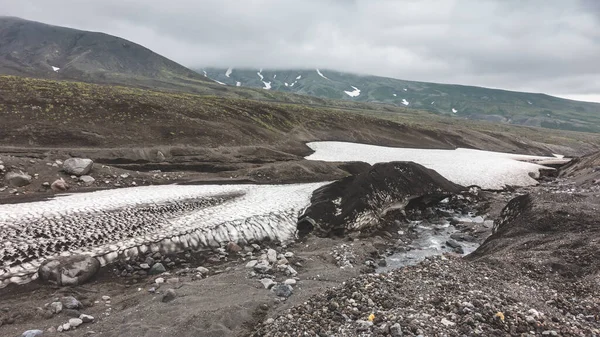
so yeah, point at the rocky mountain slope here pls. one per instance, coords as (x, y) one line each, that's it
(457, 100)
(29, 48)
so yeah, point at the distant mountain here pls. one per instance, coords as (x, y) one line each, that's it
(29, 48)
(464, 101)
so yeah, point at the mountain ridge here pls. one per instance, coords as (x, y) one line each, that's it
(473, 102)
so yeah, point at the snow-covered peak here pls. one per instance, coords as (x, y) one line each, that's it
(353, 93)
(320, 74)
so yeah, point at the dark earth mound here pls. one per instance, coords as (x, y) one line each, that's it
(361, 201)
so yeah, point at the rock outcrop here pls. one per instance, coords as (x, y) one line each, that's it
(360, 202)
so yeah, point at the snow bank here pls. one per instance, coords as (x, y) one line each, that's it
(212, 215)
(354, 92)
(490, 170)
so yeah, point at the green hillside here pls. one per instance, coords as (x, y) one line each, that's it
(477, 103)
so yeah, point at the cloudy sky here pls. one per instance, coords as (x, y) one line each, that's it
(550, 46)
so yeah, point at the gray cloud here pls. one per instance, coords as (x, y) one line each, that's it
(547, 46)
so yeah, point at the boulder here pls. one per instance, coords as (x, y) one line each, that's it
(32, 333)
(78, 166)
(87, 180)
(71, 303)
(17, 179)
(366, 201)
(59, 185)
(69, 270)
(156, 269)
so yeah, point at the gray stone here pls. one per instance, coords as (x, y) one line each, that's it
(56, 307)
(363, 325)
(271, 255)
(69, 270)
(267, 283)
(86, 318)
(78, 166)
(290, 281)
(160, 156)
(396, 330)
(46, 184)
(87, 180)
(145, 266)
(251, 263)
(262, 267)
(157, 268)
(32, 333)
(282, 290)
(17, 179)
(169, 296)
(453, 243)
(202, 270)
(75, 322)
(71, 302)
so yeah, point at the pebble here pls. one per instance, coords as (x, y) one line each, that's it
(202, 270)
(290, 282)
(86, 318)
(267, 283)
(75, 322)
(105, 298)
(32, 333)
(282, 290)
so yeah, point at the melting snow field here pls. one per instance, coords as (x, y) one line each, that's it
(354, 92)
(489, 170)
(123, 223)
(320, 74)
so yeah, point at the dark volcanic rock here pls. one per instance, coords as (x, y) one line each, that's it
(69, 270)
(552, 231)
(360, 202)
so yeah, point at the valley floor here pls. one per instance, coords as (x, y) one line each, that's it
(509, 288)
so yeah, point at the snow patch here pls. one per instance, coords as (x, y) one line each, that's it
(319, 72)
(529, 103)
(298, 77)
(260, 75)
(221, 83)
(454, 110)
(205, 75)
(286, 83)
(405, 89)
(267, 85)
(56, 69)
(404, 101)
(228, 72)
(275, 76)
(352, 93)
(490, 170)
(394, 95)
(432, 102)
(238, 84)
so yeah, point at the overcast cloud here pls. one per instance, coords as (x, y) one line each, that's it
(550, 46)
